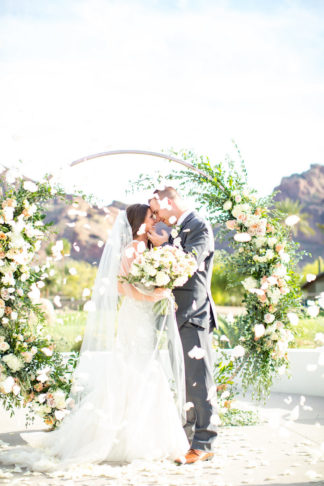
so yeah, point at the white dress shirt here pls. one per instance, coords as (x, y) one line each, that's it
(183, 216)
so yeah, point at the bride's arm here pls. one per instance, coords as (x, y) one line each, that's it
(130, 291)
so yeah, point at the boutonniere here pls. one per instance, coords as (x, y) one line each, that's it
(175, 231)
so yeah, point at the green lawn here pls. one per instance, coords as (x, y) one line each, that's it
(70, 324)
(67, 327)
(306, 331)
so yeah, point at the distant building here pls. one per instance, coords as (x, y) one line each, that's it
(314, 288)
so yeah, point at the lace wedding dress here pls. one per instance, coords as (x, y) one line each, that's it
(125, 406)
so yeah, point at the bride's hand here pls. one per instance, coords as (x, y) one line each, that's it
(161, 293)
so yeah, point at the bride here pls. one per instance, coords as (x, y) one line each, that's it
(124, 406)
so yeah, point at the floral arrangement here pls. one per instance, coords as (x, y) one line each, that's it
(32, 373)
(263, 252)
(165, 266)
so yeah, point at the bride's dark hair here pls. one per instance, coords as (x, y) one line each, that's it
(136, 214)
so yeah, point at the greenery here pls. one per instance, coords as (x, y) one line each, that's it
(30, 367)
(263, 253)
(305, 332)
(67, 329)
(224, 372)
(225, 290)
(313, 268)
(64, 277)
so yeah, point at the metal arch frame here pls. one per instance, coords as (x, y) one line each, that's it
(141, 152)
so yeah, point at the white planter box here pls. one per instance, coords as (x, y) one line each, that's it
(306, 370)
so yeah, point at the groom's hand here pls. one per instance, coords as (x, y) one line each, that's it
(156, 238)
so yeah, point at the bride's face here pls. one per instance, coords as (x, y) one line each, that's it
(149, 220)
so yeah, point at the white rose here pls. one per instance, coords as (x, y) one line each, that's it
(14, 363)
(272, 241)
(241, 208)
(4, 346)
(180, 281)
(59, 398)
(174, 233)
(150, 270)
(284, 257)
(7, 385)
(227, 205)
(162, 279)
(269, 255)
(249, 283)
(48, 352)
(259, 330)
(134, 270)
(260, 241)
(269, 318)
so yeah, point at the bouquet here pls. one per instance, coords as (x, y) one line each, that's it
(164, 267)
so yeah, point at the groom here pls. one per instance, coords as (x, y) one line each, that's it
(196, 316)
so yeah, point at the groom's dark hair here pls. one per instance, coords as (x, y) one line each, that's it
(136, 214)
(169, 192)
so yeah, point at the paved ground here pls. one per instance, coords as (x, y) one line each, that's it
(287, 447)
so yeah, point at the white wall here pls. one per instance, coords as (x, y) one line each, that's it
(307, 373)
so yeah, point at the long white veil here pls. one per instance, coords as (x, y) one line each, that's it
(93, 426)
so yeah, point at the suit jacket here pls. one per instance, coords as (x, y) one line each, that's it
(194, 299)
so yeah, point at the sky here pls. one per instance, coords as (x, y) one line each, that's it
(84, 76)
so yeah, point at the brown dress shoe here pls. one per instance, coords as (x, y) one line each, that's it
(194, 455)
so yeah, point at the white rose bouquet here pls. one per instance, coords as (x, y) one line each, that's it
(164, 267)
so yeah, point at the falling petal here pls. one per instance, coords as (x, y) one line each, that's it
(86, 292)
(172, 220)
(215, 420)
(72, 271)
(57, 301)
(141, 247)
(196, 352)
(129, 252)
(294, 414)
(100, 243)
(187, 406)
(313, 311)
(76, 247)
(288, 400)
(242, 237)
(292, 220)
(302, 400)
(89, 306)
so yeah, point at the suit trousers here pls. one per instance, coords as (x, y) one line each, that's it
(199, 386)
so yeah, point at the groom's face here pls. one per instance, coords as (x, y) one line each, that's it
(162, 209)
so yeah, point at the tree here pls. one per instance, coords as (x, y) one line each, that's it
(289, 207)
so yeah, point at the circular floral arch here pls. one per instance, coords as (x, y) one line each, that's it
(262, 252)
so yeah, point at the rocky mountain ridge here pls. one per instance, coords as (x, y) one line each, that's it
(87, 227)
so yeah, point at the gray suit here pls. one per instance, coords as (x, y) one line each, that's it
(196, 317)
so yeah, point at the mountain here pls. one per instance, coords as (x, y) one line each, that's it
(87, 227)
(308, 189)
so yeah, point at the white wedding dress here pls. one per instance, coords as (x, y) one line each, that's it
(125, 407)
